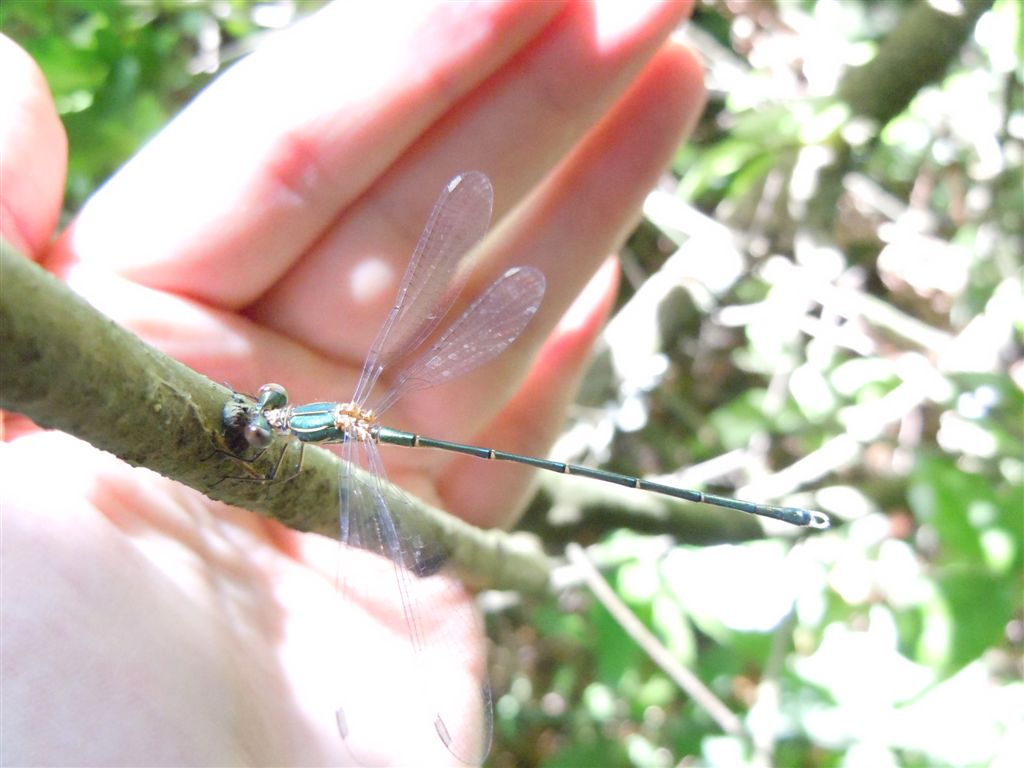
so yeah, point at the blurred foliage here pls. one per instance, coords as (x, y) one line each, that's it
(836, 322)
(120, 70)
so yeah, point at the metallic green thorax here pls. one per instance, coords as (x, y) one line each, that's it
(322, 422)
(316, 423)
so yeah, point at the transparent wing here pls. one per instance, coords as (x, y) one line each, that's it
(485, 330)
(433, 279)
(421, 695)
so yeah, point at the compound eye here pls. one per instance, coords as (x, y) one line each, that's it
(271, 396)
(258, 435)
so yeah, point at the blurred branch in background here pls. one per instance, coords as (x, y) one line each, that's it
(915, 54)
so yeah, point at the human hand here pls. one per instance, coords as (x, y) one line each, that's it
(260, 237)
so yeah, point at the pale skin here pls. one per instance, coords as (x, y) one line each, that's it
(260, 238)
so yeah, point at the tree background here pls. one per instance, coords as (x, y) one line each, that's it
(822, 306)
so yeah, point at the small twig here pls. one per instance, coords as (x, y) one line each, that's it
(603, 557)
(768, 692)
(660, 655)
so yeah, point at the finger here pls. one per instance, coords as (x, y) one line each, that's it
(515, 126)
(33, 153)
(609, 177)
(247, 177)
(33, 162)
(222, 345)
(332, 311)
(582, 213)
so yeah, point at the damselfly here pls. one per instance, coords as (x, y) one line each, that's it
(491, 323)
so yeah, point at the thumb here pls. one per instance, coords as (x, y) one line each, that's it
(33, 154)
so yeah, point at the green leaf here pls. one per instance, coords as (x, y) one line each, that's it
(980, 605)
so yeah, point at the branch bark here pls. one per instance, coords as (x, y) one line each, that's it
(68, 367)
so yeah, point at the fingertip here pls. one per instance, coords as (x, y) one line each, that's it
(683, 66)
(614, 19)
(33, 153)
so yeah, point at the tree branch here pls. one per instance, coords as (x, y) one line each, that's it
(68, 367)
(913, 55)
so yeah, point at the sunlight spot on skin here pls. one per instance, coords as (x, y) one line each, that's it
(613, 17)
(372, 277)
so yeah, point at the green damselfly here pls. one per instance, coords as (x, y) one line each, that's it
(490, 324)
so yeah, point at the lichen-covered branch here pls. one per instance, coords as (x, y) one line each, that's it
(68, 367)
